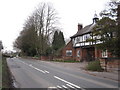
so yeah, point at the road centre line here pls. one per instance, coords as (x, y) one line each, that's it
(46, 71)
(30, 65)
(66, 82)
(37, 69)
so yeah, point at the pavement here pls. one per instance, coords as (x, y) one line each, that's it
(108, 75)
(113, 75)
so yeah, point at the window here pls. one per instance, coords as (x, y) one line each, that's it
(104, 53)
(78, 53)
(78, 39)
(68, 52)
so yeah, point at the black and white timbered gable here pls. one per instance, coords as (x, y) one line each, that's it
(80, 38)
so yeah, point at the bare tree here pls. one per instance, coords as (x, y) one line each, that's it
(1, 46)
(45, 23)
(42, 23)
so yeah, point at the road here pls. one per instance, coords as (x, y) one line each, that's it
(43, 74)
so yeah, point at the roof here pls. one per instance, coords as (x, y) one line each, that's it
(86, 29)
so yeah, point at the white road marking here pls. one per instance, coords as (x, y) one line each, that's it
(37, 69)
(51, 87)
(34, 67)
(30, 64)
(59, 86)
(64, 86)
(23, 62)
(46, 71)
(69, 85)
(66, 82)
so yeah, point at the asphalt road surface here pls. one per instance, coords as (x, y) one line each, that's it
(43, 74)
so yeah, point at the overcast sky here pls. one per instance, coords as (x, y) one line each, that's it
(13, 14)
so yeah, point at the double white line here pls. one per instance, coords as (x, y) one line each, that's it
(68, 83)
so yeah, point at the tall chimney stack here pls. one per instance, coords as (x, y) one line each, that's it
(79, 26)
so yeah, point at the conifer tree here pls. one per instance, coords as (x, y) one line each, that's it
(61, 40)
(58, 42)
(55, 43)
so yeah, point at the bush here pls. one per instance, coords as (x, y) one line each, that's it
(94, 66)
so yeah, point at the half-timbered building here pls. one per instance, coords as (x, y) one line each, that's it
(79, 48)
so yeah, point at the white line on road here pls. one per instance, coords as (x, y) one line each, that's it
(37, 69)
(23, 62)
(69, 85)
(59, 86)
(52, 88)
(46, 71)
(34, 67)
(66, 81)
(30, 64)
(64, 86)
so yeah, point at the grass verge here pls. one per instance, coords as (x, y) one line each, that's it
(0, 70)
(6, 75)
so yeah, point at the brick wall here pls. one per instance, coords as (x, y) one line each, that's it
(110, 64)
(68, 47)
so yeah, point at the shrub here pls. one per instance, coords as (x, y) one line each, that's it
(94, 66)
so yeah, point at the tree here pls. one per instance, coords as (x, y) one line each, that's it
(35, 38)
(1, 46)
(45, 21)
(58, 42)
(55, 43)
(118, 30)
(105, 32)
(110, 10)
(27, 41)
(61, 40)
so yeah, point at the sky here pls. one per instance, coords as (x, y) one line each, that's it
(13, 14)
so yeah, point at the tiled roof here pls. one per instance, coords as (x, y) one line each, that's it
(86, 29)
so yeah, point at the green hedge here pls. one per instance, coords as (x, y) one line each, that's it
(67, 61)
(94, 66)
(6, 75)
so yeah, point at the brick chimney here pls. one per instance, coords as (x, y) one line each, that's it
(79, 26)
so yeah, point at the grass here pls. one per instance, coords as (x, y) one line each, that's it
(0, 70)
(94, 66)
(6, 75)
(66, 61)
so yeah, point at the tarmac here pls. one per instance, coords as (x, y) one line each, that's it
(113, 75)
